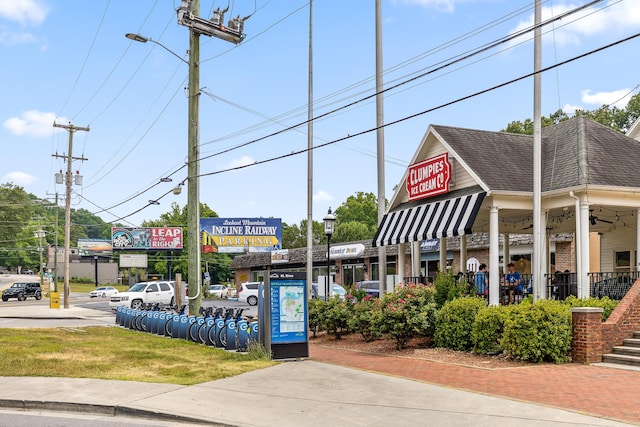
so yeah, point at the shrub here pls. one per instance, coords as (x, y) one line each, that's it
(366, 318)
(408, 312)
(454, 323)
(316, 311)
(487, 329)
(335, 316)
(447, 288)
(538, 332)
(605, 302)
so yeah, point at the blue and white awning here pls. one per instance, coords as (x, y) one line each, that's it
(451, 217)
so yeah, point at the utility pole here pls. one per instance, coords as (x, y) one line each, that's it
(55, 246)
(382, 250)
(67, 203)
(40, 235)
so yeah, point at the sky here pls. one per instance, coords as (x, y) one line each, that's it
(69, 62)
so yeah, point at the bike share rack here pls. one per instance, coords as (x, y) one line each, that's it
(228, 331)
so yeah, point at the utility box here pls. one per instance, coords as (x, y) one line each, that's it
(54, 299)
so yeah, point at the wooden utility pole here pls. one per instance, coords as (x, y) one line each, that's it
(67, 219)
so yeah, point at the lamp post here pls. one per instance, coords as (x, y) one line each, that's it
(329, 223)
(95, 259)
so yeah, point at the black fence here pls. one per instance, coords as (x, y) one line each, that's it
(614, 285)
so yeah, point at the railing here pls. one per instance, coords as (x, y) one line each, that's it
(613, 285)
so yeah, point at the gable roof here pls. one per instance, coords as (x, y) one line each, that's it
(575, 153)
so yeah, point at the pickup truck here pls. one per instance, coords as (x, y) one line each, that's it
(144, 293)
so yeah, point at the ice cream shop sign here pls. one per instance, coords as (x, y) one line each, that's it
(429, 177)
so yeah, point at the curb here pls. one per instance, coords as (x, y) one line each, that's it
(105, 410)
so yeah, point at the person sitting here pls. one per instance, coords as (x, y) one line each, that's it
(481, 281)
(512, 282)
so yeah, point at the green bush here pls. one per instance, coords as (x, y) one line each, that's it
(447, 289)
(454, 323)
(316, 311)
(366, 318)
(335, 316)
(606, 303)
(408, 312)
(487, 329)
(538, 332)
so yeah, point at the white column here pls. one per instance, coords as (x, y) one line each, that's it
(583, 241)
(402, 258)
(443, 254)
(463, 254)
(506, 252)
(494, 254)
(638, 240)
(415, 258)
(541, 284)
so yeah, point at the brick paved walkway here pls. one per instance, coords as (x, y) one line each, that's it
(594, 390)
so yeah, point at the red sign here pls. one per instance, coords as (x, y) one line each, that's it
(429, 177)
(166, 238)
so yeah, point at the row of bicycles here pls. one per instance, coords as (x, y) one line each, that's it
(220, 327)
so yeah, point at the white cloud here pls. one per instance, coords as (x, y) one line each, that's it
(616, 16)
(322, 196)
(571, 109)
(444, 5)
(19, 178)
(26, 12)
(33, 123)
(11, 39)
(618, 98)
(242, 161)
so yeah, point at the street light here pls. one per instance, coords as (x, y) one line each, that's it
(329, 222)
(193, 166)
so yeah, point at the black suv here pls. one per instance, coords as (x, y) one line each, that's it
(22, 290)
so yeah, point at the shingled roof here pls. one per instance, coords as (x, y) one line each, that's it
(575, 153)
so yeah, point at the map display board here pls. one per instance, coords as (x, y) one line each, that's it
(288, 308)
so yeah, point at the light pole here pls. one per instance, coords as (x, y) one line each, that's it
(188, 16)
(329, 222)
(95, 259)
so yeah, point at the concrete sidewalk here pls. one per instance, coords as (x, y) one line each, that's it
(303, 393)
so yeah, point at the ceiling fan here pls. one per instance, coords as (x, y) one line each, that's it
(594, 219)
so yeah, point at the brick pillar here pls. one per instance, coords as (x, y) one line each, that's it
(586, 344)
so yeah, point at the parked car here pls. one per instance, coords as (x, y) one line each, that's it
(217, 291)
(143, 293)
(22, 290)
(335, 290)
(371, 287)
(103, 292)
(248, 292)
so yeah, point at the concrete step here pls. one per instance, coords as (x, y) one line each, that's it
(636, 334)
(632, 342)
(629, 351)
(622, 359)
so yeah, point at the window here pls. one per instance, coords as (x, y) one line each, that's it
(164, 287)
(152, 288)
(622, 260)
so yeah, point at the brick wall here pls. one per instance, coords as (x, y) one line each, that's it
(592, 338)
(565, 256)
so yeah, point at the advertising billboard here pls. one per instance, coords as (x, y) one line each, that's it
(241, 234)
(150, 238)
(93, 247)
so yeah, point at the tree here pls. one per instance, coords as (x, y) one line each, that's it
(294, 236)
(359, 209)
(613, 117)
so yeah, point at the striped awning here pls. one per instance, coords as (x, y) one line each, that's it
(451, 217)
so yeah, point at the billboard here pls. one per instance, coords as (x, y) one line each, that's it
(92, 247)
(150, 238)
(429, 177)
(241, 234)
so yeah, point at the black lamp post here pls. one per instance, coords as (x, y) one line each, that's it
(95, 259)
(329, 222)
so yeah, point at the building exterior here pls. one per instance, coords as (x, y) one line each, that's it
(466, 186)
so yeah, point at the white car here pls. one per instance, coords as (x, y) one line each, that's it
(217, 291)
(248, 292)
(143, 293)
(103, 292)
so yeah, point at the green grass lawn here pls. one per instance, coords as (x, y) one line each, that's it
(118, 354)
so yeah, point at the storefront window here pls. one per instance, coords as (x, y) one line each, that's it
(374, 272)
